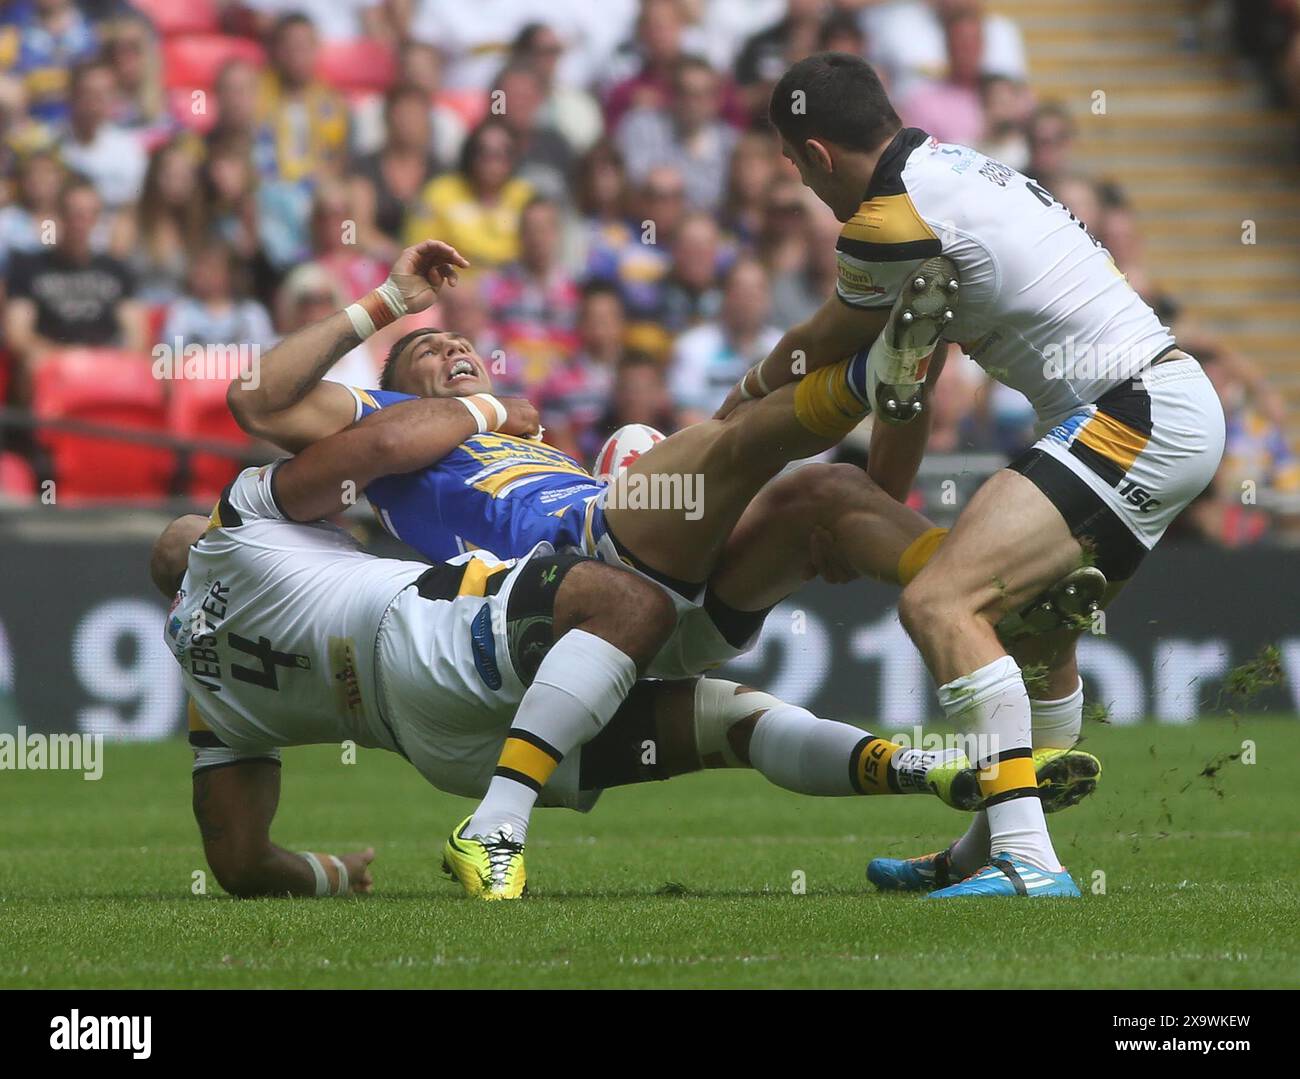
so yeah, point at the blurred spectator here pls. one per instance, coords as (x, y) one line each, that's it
(335, 242)
(906, 41)
(752, 170)
(602, 202)
(640, 267)
(386, 182)
(783, 243)
(302, 130)
(1051, 144)
(310, 294)
(692, 292)
(40, 43)
(658, 47)
(131, 50)
(335, 20)
(951, 108)
(420, 65)
(230, 195)
(235, 95)
(107, 155)
(476, 208)
(797, 293)
(533, 302)
(1008, 105)
(69, 294)
(542, 155)
(766, 54)
(574, 399)
(211, 311)
(840, 31)
(568, 109)
(690, 135)
(28, 221)
(709, 359)
(640, 396)
(165, 225)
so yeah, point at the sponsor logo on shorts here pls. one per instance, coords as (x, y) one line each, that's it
(485, 648)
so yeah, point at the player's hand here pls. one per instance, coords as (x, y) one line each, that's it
(827, 561)
(734, 399)
(522, 419)
(360, 882)
(422, 270)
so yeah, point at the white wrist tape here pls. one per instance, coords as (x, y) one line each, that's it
(376, 309)
(481, 406)
(322, 877)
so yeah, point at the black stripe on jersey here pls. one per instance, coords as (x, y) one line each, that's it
(1117, 551)
(910, 251)
(275, 497)
(1130, 403)
(888, 177)
(226, 515)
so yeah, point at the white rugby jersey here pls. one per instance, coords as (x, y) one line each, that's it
(275, 625)
(1042, 307)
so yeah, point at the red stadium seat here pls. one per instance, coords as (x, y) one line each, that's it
(17, 480)
(198, 410)
(356, 67)
(108, 387)
(192, 61)
(181, 16)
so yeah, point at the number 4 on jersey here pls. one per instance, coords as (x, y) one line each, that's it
(262, 650)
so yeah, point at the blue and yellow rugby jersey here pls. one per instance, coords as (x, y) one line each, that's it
(496, 492)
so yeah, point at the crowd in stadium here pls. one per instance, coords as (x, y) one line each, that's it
(225, 172)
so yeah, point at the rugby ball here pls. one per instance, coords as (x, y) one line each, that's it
(622, 448)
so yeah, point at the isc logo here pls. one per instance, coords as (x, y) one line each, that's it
(1135, 496)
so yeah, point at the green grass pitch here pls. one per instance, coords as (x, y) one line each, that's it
(686, 883)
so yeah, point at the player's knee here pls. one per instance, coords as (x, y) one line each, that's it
(814, 492)
(924, 609)
(629, 611)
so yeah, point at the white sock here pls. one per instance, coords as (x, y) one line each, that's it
(794, 749)
(578, 688)
(801, 752)
(994, 703)
(1056, 725)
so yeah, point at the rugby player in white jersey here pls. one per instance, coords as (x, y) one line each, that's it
(501, 680)
(1130, 428)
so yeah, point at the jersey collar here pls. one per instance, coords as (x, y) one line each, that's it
(887, 179)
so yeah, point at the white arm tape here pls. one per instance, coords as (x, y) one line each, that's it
(322, 878)
(477, 413)
(362, 323)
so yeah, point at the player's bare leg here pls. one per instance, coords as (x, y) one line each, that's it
(862, 529)
(729, 461)
(1008, 545)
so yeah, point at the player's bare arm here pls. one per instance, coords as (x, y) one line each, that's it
(234, 806)
(327, 476)
(290, 404)
(833, 332)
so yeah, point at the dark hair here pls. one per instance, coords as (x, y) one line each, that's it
(389, 371)
(598, 287)
(470, 146)
(836, 97)
(286, 22)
